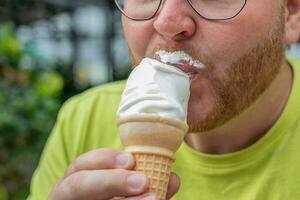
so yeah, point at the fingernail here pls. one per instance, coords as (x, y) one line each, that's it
(122, 159)
(136, 181)
(150, 197)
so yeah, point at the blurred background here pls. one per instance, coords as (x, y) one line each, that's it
(51, 50)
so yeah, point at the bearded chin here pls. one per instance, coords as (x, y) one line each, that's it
(244, 82)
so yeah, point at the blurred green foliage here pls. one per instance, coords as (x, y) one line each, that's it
(30, 97)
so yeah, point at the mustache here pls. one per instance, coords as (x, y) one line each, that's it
(178, 57)
(196, 55)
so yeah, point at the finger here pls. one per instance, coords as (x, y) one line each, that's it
(174, 184)
(148, 196)
(102, 184)
(101, 159)
(173, 187)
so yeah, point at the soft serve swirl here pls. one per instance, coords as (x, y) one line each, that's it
(155, 88)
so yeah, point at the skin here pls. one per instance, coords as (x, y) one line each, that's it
(104, 174)
(245, 69)
(223, 46)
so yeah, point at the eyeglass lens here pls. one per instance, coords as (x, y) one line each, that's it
(210, 9)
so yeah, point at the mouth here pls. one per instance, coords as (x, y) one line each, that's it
(182, 61)
(178, 57)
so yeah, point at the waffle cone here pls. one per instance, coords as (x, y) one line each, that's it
(157, 168)
(153, 142)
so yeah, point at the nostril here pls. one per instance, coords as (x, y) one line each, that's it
(181, 36)
(187, 33)
(178, 28)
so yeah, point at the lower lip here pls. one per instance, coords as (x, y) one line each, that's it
(192, 72)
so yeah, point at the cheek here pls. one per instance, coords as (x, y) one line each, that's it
(226, 41)
(138, 36)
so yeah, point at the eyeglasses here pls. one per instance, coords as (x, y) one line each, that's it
(141, 10)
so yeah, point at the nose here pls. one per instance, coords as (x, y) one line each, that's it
(175, 20)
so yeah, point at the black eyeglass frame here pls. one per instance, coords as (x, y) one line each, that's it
(189, 1)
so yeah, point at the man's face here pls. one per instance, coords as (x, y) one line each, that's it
(241, 55)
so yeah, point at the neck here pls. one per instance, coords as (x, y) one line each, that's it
(252, 124)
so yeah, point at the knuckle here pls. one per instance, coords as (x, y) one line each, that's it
(72, 184)
(106, 151)
(75, 166)
(115, 182)
(104, 158)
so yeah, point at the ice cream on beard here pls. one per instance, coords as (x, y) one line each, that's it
(152, 119)
(177, 57)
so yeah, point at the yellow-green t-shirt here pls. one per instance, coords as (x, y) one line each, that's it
(267, 170)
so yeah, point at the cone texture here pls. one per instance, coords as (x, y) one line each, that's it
(153, 142)
(157, 168)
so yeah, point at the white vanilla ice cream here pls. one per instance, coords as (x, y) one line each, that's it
(177, 57)
(155, 88)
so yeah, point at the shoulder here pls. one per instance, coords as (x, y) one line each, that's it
(88, 120)
(94, 97)
(113, 89)
(93, 110)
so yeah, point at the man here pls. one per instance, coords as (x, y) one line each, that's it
(244, 108)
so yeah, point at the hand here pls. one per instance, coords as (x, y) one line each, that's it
(105, 174)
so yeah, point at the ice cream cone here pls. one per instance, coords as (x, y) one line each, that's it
(153, 141)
